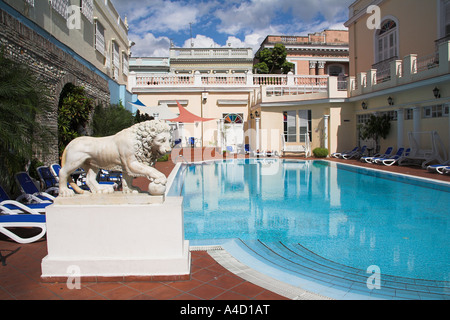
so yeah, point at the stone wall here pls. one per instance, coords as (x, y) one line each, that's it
(53, 66)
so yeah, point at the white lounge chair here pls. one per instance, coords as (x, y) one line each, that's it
(393, 160)
(11, 206)
(30, 191)
(435, 167)
(443, 170)
(339, 154)
(387, 154)
(355, 154)
(8, 221)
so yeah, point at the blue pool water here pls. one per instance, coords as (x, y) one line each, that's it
(353, 216)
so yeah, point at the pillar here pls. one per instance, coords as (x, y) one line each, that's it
(326, 120)
(312, 68)
(321, 66)
(400, 129)
(258, 138)
(416, 119)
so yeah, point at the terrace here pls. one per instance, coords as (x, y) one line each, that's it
(287, 87)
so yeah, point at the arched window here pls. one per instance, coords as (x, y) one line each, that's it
(233, 118)
(386, 41)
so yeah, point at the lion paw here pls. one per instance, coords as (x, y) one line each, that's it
(66, 193)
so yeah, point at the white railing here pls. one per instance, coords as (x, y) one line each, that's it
(272, 91)
(224, 79)
(269, 80)
(276, 84)
(320, 81)
(157, 80)
(211, 53)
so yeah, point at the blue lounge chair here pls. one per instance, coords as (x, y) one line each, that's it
(30, 191)
(48, 180)
(393, 160)
(436, 167)
(387, 154)
(10, 206)
(339, 154)
(8, 221)
(354, 154)
(379, 160)
(443, 170)
(113, 178)
(54, 169)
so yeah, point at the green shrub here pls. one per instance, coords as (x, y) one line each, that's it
(320, 152)
(163, 158)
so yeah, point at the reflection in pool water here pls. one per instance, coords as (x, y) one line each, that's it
(350, 215)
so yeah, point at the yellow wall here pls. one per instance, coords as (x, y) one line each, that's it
(341, 126)
(210, 109)
(417, 30)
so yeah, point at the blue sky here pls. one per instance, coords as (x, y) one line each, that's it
(217, 23)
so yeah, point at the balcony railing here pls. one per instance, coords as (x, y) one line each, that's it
(399, 72)
(224, 79)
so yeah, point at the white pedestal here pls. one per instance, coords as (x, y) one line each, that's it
(104, 239)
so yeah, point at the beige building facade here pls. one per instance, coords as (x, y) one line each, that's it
(321, 53)
(395, 66)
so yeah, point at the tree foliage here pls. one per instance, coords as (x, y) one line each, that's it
(23, 99)
(107, 121)
(142, 117)
(73, 115)
(273, 60)
(375, 128)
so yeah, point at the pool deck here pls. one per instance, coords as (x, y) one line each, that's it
(232, 271)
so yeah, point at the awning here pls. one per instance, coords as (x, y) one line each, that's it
(187, 117)
(138, 103)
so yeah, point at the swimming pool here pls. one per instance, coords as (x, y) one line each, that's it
(350, 215)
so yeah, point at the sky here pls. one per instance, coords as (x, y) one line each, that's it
(153, 24)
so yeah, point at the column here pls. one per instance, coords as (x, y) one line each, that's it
(219, 135)
(258, 138)
(321, 66)
(312, 68)
(400, 123)
(181, 132)
(326, 120)
(416, 119)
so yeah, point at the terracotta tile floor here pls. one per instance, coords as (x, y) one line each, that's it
(20, 280)
(20, 274)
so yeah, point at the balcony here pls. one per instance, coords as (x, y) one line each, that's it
(269, 87)
(411, 68)
(211, 53)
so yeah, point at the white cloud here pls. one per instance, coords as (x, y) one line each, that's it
(149, 46)
(245, 23)
(201, 41)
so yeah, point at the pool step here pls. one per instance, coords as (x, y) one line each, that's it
(296, 265)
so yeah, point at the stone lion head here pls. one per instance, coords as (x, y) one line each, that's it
(153, 140)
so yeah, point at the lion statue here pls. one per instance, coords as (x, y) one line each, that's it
(132, 151)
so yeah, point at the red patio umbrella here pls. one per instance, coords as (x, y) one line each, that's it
(188, 117)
